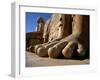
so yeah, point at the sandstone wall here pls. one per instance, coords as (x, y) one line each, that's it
(33, 38)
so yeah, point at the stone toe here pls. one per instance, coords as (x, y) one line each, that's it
(42, 52)
(52, 52)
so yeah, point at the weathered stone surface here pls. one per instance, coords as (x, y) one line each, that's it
(57, 28)
(79, 30)
(32, 39)
(62, 34)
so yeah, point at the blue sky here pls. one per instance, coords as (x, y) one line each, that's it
(31, 20)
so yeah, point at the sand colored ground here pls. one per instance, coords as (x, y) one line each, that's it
(32, 60)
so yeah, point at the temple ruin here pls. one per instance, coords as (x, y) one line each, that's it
(62, 35)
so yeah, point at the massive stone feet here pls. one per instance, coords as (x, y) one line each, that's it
(38, 46)
(56, 50)
(43, 50)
